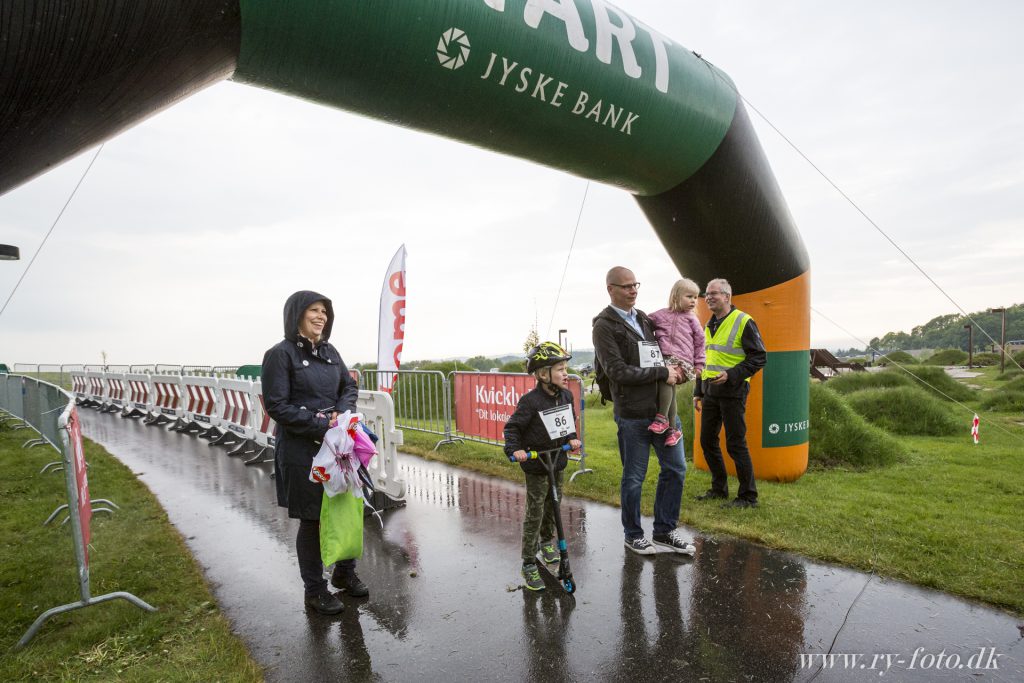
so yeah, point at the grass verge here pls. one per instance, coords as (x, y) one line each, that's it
(943, 515)
(135, 550)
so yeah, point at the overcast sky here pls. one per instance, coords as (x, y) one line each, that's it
(193, 227)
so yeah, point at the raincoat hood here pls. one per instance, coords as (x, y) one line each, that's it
(296, 305)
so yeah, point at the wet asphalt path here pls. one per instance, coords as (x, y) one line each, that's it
(446, 604)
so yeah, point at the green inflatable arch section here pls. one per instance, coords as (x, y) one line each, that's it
(577, 86)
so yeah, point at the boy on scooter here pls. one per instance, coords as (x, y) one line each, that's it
(545, 419)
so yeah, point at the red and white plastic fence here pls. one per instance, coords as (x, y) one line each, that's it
(114, 384)
(236, 407)
(266, 428)
(167, 396)
(200, 397)
(79, 385)
(138, 401)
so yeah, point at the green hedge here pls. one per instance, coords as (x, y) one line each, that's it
(986, 359)
(905, 410)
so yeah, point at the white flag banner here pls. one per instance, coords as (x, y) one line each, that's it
(392, 322)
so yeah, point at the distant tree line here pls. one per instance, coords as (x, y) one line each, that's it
(476, 363)
(947, 332)
(509, 363)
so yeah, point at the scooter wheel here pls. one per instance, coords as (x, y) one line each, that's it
(569, 585)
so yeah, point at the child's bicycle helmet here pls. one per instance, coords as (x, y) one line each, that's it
(544, 355)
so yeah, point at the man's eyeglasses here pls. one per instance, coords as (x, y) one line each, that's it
(628, 285)
(707, 294)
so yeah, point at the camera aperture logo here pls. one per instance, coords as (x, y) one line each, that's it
(453, 48)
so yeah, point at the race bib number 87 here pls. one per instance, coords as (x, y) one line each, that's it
(558, 421)
(650, 355)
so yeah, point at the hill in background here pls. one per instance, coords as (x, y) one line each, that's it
(947, 332)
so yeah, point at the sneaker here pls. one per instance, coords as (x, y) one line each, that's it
(325, 602)
(350, 583)
(532, 577)
(712, 495)
(674, 542)
(674, 437)
(660, 424)
(640, 546)
(740, 503)
(549, 554)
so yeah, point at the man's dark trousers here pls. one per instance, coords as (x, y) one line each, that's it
(731, 412)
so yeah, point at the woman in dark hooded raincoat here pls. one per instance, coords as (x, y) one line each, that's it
(306, 385)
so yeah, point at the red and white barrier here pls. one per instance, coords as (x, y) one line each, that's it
(79, 386)
(114, 388)
(139, 396)
(94, 394)
(167, 404)
(235, 418)
(200, 398)
(265, 427)
(379, 410)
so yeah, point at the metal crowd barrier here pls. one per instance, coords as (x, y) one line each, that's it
(51, 412)
(425, 402)
(422, 400)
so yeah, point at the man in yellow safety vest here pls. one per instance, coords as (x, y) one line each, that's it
(735, 353)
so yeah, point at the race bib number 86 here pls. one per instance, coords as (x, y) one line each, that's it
(558, 421)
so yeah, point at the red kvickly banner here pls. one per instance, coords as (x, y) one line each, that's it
(484, 401)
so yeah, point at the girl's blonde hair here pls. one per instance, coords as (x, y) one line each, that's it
(679, 290)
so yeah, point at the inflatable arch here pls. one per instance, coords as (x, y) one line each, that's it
(574, 84)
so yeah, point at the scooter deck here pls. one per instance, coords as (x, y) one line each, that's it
(549, 572)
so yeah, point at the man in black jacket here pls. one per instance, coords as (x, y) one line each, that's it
(628, 354)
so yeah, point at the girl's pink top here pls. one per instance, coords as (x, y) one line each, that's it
(679, 334)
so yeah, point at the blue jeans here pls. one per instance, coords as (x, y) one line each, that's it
(635, 442)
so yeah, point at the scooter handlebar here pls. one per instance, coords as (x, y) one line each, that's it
(533, 455)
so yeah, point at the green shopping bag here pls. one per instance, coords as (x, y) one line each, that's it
(341, 528)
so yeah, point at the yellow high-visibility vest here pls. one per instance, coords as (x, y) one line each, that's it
(725, 348)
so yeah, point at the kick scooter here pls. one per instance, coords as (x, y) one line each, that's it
(547, 458)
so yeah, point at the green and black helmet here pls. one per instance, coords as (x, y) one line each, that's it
(544, 355)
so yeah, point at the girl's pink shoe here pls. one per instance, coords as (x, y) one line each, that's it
(660, 424)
